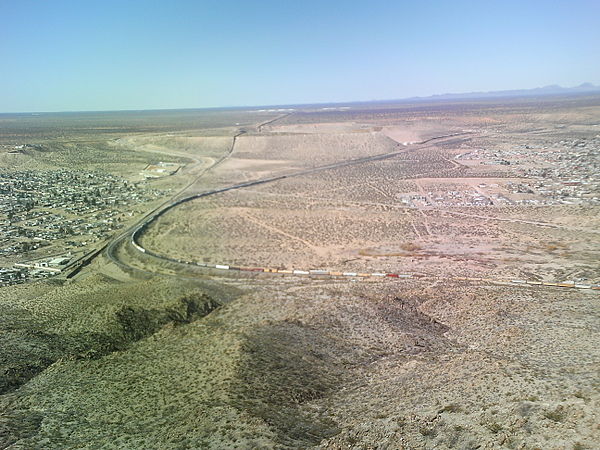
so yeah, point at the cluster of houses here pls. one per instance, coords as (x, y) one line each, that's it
(65, 210)
(552, 173)
(572, 175)
(467, 197)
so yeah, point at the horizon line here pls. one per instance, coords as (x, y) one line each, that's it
(453, 96)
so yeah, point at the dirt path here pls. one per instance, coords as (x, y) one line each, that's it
(527, 222)
(317, 250)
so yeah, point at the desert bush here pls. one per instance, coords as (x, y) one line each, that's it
(452, 408)
(556, 415)
(410, 246)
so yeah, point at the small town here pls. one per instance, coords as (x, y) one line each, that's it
(50, 218)
(566, 172)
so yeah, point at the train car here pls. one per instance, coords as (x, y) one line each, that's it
(405, 275)
(336, 274)
(222, 266)
(596, 287)
(269, 270)
(364, 275)
(300, 272)
(583, 286)
(569, 285)
(138, 247)
(378, 274)
(392, 275)
(252, 269)
(234, 268)
(284, 271)
(349, 274)
(534, 282)
(319, 272)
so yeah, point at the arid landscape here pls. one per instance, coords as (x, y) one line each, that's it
(393, 275)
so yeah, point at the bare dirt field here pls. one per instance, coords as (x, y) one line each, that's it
(143, 352)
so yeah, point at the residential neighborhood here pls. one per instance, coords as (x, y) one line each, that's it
(60, 212)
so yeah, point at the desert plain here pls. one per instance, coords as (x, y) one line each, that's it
(487, 205)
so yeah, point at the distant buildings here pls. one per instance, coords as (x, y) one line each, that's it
(66, 209)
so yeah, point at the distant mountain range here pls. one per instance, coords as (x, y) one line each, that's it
(546, 90)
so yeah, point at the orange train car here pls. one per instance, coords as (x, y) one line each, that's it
(251, 269)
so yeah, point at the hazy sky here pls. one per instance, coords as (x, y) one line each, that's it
(131, 54)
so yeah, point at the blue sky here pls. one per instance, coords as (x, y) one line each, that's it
(64, 55)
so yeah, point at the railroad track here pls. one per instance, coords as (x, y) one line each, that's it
(110, 248)
(130, 233)
(134, 233)
(323, 273)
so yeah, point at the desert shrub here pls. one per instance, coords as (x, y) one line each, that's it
(556, 415)
(287, 365)
(451, 408)
(427, 431)
(410, 247)
(494, 427)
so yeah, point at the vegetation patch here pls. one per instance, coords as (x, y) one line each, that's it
(27, 349)
(286, 366)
